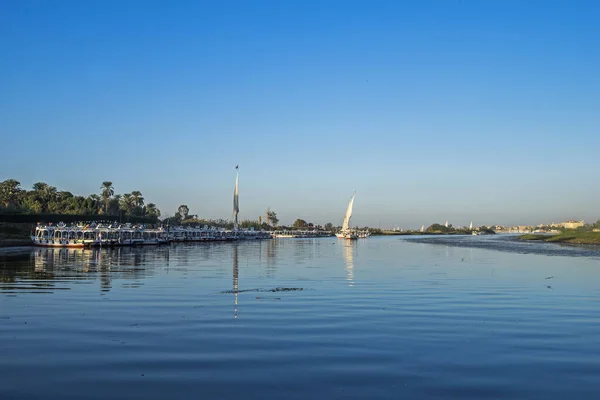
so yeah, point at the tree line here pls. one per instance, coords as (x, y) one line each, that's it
(46, 199)
(439, 228)
(183, 217)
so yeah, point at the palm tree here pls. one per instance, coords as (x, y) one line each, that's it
(39, 186)
(44, 193)
(9, 192)
(95, 200)
(138, 200)
(107, 192)
(152, 211)
(127, 203)
(49, 192)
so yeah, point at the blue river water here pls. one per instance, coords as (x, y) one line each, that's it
(379, 318)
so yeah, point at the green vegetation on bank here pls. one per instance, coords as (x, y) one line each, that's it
(48, 204)
(434, 229)
(570, 236)
(534, 236)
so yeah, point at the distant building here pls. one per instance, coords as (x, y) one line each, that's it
(571, 224)
(518, 229)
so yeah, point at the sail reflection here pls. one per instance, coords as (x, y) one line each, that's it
(348, 252)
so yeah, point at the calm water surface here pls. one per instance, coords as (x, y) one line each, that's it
(470, 317)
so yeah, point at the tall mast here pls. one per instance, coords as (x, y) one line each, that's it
(236, 204)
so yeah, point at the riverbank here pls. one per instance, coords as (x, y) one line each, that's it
(15, 234)
(14, 242)
(570, 237)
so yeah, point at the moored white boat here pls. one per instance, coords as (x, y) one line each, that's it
(59, 236)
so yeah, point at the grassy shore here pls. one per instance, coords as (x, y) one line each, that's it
(569, 236)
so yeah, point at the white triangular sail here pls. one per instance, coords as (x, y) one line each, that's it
(348, 215)
(422, 228)
(236, 204)
(471, 225)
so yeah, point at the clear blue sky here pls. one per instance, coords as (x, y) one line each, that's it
(430, 110)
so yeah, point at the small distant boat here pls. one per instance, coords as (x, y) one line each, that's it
(346, 233)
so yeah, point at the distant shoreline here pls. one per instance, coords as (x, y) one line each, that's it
(567, 237)
(421, 233)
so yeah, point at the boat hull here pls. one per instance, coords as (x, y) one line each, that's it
(347, 236)
(53, 243)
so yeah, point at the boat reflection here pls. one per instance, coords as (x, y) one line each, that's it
(46, 267)
(348, 252)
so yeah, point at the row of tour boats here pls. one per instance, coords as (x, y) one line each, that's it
(95, 235)
(110, 235)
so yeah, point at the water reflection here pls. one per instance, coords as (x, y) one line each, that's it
(235, 280)
(348, 252)
(47, 267)
(270, 257)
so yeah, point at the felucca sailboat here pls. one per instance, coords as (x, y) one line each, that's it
(346, 233)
